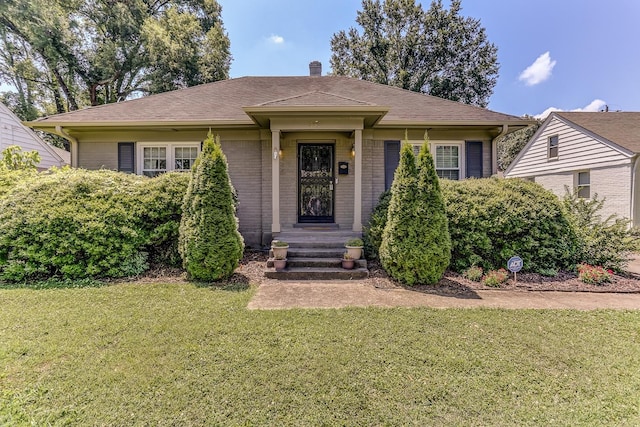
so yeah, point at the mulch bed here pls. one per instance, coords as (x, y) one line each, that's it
(253, 265)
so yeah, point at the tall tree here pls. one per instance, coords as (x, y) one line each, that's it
(73, 53)
(510, 145)
(438, 51)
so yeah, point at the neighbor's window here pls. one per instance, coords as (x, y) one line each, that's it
(584, 185)
(447, 160)
(553, 147)
(184, 157)
(154, 161)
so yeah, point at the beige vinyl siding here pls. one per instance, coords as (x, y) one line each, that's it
(576, 150)
(12, 132)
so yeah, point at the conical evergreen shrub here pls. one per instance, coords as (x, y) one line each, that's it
(210, 244)
(416, 246)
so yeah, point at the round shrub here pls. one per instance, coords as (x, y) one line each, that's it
(491, 220)
(76, 223)
(10, 178)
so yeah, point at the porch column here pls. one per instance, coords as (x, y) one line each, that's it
(275, 181)
(357, 192)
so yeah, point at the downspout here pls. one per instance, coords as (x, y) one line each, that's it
(634, 170)
(73, 142)
(494, 149)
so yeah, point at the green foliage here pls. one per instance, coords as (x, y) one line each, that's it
(73, 224)
(491, 220)
(437, 51)
(416, 247)
(210, 244)
(372, 235)
(90, 53)
(357, 242)
(607, 242)
(473, 273)
(495, 278)
(510, 145)
(12, 158)
(10, 178)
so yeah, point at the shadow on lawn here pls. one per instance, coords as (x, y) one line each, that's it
(446, 288)
(236, 283)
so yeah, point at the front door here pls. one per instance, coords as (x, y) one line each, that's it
(315, 183)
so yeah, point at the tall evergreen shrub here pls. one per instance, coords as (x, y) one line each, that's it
(416, 245)
(210, 244)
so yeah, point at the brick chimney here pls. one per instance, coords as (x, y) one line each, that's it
(315, 68)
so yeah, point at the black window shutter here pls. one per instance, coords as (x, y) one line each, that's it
(391, 161)
(126, 157)
(474, 159)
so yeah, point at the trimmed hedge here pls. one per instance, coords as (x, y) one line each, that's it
(492, 219)
(76, 223)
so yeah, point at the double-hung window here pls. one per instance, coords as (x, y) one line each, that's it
(552, 147)
(158, 158)
(447, 161)
(584, 184)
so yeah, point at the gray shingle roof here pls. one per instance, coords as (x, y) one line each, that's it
(621, 128)
(223, 101)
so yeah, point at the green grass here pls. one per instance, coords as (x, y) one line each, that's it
(175, 354)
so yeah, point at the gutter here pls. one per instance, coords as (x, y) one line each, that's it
(73, 142)
(494, 149)
(634, 170)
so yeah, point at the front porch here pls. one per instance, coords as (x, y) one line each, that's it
(315, 253)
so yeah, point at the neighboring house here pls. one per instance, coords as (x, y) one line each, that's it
(301, 150)
(12, 132)
(596, 153)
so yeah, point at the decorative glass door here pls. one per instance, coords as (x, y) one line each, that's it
(315, 183)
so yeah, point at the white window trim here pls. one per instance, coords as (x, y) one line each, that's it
(576, 183)
(461, 153)
(170, 152)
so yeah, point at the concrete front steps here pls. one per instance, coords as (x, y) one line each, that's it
(316, 254)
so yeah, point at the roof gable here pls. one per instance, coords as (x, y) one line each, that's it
(621, 129)
(315, 98)
(13, 132)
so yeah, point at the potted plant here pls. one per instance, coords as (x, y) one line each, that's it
(347, 261)
(354, 248)
(279, 262)
(279, 249)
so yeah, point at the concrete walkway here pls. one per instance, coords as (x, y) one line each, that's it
(338, 294)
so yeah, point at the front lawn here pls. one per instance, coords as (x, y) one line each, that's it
(177, 354)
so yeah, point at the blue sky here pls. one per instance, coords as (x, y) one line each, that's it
(563, 54)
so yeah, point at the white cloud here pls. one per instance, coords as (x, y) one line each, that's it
(539, 71)
(595, 105)
(275, 39)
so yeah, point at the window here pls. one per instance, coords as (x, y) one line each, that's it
(154, 161)
(553, 147)
(158, 158)
(447, 160)
(584, 185)
(184, 157)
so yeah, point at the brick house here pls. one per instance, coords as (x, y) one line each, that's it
(301, 150)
